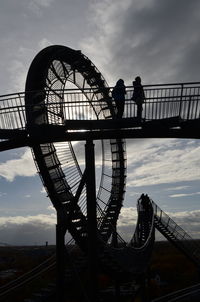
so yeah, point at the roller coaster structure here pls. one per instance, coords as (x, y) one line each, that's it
(51, 115)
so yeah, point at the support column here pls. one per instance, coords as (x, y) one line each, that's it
(91, 219)
(60, 257)
(115, 245)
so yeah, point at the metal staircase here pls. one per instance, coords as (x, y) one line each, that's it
(176, 235)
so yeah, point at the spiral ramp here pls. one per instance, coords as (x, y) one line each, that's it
(50, 72)
(58, 166)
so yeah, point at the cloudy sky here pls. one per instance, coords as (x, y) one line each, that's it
(156, 39)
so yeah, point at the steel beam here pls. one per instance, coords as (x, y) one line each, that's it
(57, 133)
(60, 256)
(91, 219)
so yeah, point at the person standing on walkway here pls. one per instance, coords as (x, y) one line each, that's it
(118, 95)
(138, 96)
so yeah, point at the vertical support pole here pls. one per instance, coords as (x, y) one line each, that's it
(60, 257)
(189, 105)
(115, 245)
(181, 101)
(143, 289)
(91, 219)
(114, 236)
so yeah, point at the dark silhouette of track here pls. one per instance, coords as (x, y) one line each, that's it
(128, 262)
(49, 71)
(176, 235)
(52, 118)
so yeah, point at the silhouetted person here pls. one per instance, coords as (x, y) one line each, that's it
(141, 200)
(118, 95)
(145, 201)
(138, 96)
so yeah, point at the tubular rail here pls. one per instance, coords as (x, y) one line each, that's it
(131, 261)
(52, 70)
(176, 235)
(28, 277)
(120, 261)
(180, 295)
(46, 266)
(161, 102)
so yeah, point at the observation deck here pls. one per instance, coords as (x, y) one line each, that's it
(169, 110)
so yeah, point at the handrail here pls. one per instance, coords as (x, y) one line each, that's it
(179, 294)
(180, 101)
(156, 208)
(31, 275)
(90, 88)
(137, 229)
(28, 277)
(176, 235)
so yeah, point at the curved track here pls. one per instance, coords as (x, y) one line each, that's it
(123, 263)
(52, 70)
(131, 261)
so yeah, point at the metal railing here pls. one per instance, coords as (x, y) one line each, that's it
(28, 277)
(181, 295)
(161, 102)
(178, 236)
(166, 101)
(144, 231)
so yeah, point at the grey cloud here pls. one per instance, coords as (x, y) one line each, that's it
(176, 188)
(187, 217)
(166, 161)
(184, 194)
(189, 221)
(164, 31)
(188, 64)
(25, 24)
(23, 166)
(158, 40)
